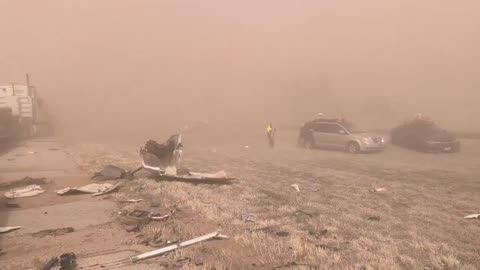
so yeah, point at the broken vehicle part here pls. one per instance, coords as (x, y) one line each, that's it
(473, 216)
(249, 217)
(26, 181)
(94, 189)
(91, 188)
(163, 155)
(110, 172)
(295, 186)
(9, 229)
(68, 261)
(53, 232)
(161, 251)
(49, 264)
(110, 189)
(22, 192)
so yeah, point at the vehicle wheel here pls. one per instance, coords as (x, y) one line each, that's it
(353, 148)
(309, 144)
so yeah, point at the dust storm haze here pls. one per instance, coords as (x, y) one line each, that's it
(108, 67)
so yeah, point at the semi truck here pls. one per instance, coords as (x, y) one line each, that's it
(23, 113)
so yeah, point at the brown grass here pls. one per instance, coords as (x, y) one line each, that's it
(417, 223)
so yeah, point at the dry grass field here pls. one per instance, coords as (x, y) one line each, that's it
(336, 221)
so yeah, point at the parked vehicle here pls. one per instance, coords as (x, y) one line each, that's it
(338, 134)
(23, 113)
(424, 135)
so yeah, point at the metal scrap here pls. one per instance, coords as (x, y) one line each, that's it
(53, 232)
(295, 186)
(109, 172)
(9, 229)
(164, 250)
(27, 191)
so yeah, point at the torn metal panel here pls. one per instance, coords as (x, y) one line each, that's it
(162, 155)
(27, 191)
(91, 188)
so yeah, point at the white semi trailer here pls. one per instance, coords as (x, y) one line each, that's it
(22, 112)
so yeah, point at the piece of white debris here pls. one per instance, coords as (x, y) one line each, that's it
(26, 191)
(473, 216)
(166, 249)
(380, 189)
(295, 186)
(132, 201)
(9, 229)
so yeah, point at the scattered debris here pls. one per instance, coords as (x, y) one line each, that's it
(53, 232)
(110, 172)
(139, 214)
(132, 201)
(301, 212)
(163, 155)
(289, 265)
(94, 189)
(246, 147)
(27, 191)
(31, 152)
(282, 233)
(12, 205)
(164, 159)
(164, 250)
(329, 246)
(318, 234)
(273, 229)
(295, 186)
(49, 264)
(53, 149)
(133, 228)
(374, 218)
(249, 217)
(10, 159)
(157, 217)
(68, 261)
(91, 188)
(9, 229)
(23, 182)
(379, 190)
(110, 189)
(473, 216)
(154, 204)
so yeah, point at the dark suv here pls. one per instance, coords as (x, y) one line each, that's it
(425, 136)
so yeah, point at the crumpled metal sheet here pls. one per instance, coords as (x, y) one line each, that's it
(91, 188)
(26, 191)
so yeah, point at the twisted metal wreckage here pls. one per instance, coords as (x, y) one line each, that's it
(165, 160)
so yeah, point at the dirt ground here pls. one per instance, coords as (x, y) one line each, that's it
(335, 221)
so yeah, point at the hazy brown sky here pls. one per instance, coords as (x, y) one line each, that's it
(245, 61)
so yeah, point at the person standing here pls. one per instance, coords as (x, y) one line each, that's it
(270, 135)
